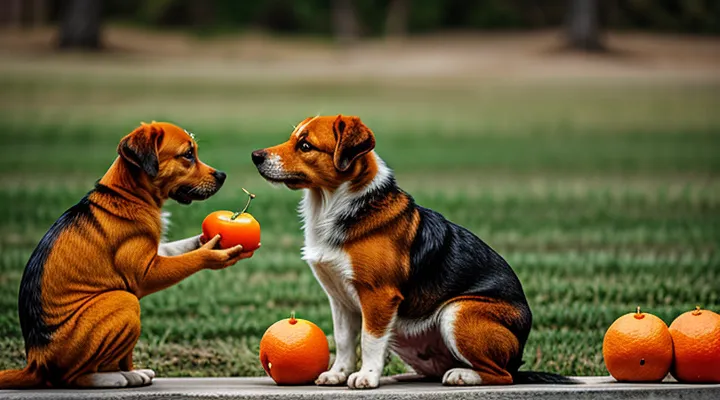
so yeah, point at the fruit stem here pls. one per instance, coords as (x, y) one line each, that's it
(638, 313)
(293, 321)
(696, 311)
(247, 205)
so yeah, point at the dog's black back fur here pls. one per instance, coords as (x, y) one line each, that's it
(447, 261)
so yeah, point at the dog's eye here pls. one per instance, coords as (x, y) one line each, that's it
(304, 146)
(189, 155)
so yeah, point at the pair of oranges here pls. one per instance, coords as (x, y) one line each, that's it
(639, 347)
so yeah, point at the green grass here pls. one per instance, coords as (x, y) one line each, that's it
(601, 195)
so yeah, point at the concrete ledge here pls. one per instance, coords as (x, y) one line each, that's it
(400, 388)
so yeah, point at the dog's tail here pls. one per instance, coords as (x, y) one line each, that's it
(26, 378)
(530, 377)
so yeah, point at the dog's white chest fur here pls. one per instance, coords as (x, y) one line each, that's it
(329, 262)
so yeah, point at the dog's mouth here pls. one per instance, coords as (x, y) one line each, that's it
(188, 194)
(292, 181)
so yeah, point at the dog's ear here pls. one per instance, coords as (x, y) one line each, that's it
(354, 139)
(140, 148)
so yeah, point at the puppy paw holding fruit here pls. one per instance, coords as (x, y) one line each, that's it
(234, 228)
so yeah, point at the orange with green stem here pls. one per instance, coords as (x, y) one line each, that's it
(294, 351)
(234, 227)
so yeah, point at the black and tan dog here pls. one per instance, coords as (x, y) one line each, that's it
(400, 274)
(78, 304)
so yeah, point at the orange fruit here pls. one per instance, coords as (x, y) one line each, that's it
(294, 351)
(638, 348)
(696, 337)
(234, 228)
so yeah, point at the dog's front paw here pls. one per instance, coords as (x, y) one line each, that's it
(134, 378)
(139, 377)
(364, 380)
(330, 378)
(461, 377)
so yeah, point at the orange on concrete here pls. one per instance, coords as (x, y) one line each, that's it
(638, 348)
(294, 351)
(696, 337)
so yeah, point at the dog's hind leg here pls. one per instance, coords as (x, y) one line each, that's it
(473, 333)
(95, 350)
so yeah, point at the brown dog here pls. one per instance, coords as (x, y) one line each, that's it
(400, 276)
(79, 308)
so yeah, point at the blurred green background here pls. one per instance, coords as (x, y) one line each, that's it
(587, 157)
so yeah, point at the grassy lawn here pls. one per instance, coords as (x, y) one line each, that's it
(602, 195)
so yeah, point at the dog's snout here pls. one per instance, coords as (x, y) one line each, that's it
(219, 176)
(258, 156)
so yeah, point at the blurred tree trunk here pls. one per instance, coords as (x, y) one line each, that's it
(345, 22)
(583, 25)
(396, 24)
(39, 12)
(11, 13)
(203, 13)
(81, 24)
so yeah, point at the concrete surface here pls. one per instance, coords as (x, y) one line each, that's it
(399, 388)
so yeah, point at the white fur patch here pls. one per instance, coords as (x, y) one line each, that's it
(179, 247)
(447, 328)
(164, 225)
(417, 327)
(299, 129)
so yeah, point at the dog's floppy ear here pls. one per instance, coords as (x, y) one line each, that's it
(354, 139)
(139, 148)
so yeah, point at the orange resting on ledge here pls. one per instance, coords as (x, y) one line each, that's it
(696, 338)
(234, 227)
(294, 351)
(638, 348)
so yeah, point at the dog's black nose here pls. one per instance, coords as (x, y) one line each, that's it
(219, 176)
(258, 156)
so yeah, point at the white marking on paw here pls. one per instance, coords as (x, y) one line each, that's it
(150, 373)
(330, 378)
(138, 377)
(461, 377)
(102, 380)
(364, 379)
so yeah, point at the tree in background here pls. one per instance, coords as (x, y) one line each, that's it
(23, 13)
(345, 23)
(396, 23)
(80, 25)
(583, 25)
